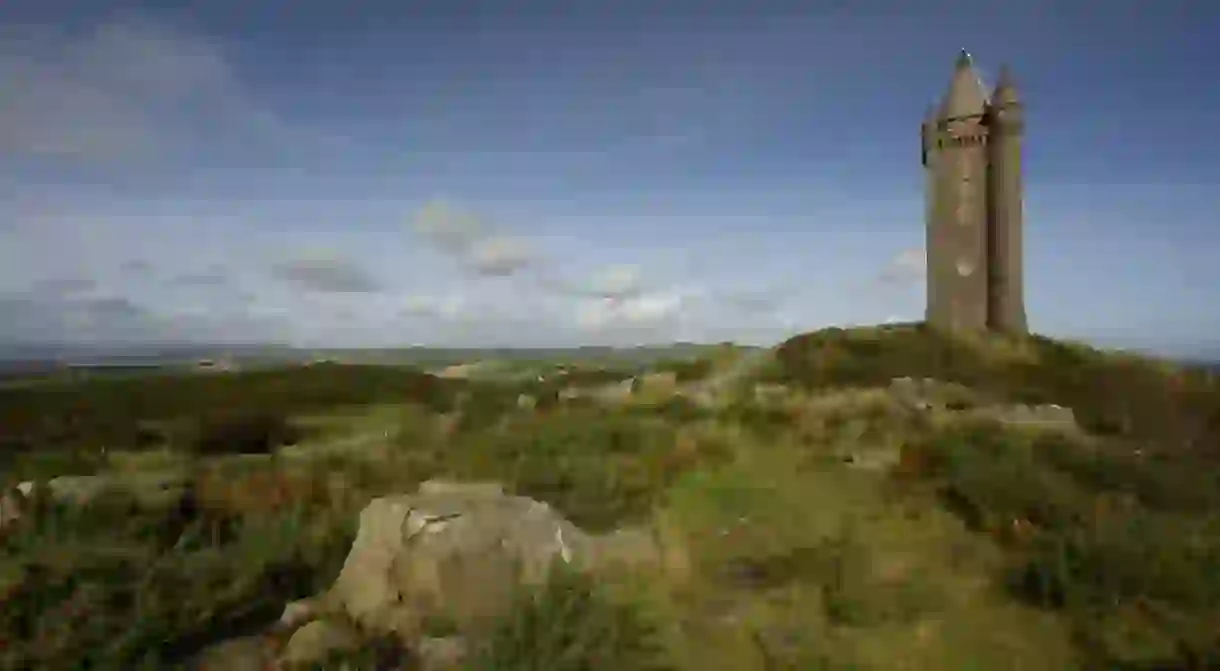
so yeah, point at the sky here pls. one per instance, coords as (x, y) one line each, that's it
(551, 173)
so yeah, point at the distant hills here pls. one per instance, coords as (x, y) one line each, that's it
(34, 358)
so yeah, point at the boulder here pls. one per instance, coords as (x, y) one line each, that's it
(317, 640)
(454, 552)
(450, 556)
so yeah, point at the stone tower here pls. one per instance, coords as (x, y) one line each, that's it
(972, 160)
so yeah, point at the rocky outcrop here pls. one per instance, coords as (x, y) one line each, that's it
(148, 490)
(929, 394)
(434, 568)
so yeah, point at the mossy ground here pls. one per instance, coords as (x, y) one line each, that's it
(977, 546)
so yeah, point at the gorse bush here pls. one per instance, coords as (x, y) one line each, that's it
(110, 586)
(243, 433)
(1112, 539)
(570, 624)
(688, 370)
(116, 411)
(1123, 396)
(600, 467)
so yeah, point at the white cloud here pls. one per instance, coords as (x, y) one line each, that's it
(326, 275)
(446, 307)
(650, 309)
(464, 236)
(122, 90)
(499, 256)
(618, 281)
(132, 92)
(453, 230)
(908, 267)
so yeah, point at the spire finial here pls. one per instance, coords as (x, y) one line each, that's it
(1004, 81)
(964, 60)
(1005, 88)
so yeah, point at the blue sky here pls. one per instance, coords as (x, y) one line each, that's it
(539, 172)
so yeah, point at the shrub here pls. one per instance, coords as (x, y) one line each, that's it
(106, 588)
(687, 370)
(243, 433)
(1111, 535)
(597, 467)
(110, 410)
(1120, 395)
(571, 624)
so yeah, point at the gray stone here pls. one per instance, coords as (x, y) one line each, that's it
(149, 489)
(298, 613)
(316, 640)
(458, 553)
(441, 653)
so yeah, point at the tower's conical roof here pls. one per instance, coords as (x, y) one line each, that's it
(1005, 89)
(966, 95)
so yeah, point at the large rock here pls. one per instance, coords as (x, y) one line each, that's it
(438, 566)
(431, 570)
(450, 552)
(317, 640)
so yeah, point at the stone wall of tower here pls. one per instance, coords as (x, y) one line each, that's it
(972, 157)
(1007, 295)
(959, 224)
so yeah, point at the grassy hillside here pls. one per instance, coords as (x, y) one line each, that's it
(826, 524)
(1144, 402)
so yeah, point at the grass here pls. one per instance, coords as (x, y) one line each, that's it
(975, 544)
(104, 588)
(571, 623)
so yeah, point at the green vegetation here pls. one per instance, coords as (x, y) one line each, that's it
(829, 525)
(1137, 400)
(571, 624)
(127, 411)
(104, 587)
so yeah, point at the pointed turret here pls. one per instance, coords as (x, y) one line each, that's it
(1005, 93)
(966, 95)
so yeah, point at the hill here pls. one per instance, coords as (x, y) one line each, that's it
(874, 498)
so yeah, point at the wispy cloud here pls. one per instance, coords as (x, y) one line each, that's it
(126, 91)
(206, 278)
(62, 287)
(469, 240)
(908, 267)
(326, 275)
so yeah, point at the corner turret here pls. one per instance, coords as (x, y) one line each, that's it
(1006, 113)
(1005, 94)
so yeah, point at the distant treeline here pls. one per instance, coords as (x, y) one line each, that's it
(121, 411)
